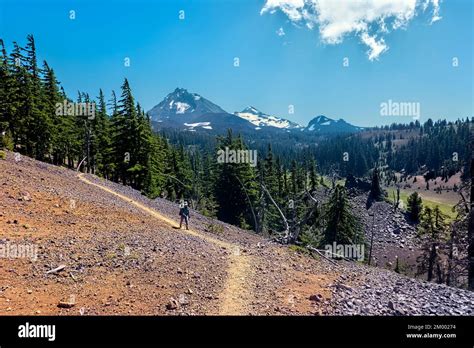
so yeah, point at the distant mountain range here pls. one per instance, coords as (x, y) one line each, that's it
(191, 112)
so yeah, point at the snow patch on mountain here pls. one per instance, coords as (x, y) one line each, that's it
(205, 125)
(181, 107)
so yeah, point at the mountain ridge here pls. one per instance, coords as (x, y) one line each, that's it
(190, 111)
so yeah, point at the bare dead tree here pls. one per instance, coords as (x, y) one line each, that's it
(464, 202)
(335, 175)
(451, 259)
(458, 262)
(250, 203)
(286, 232)
(292, 230)
(80, 164)
(470, 229)
(398, 197)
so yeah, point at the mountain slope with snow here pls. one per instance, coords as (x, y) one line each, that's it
(181, 102)
(260, 119)
(325, 125)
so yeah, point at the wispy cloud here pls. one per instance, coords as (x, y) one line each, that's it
(370, 20)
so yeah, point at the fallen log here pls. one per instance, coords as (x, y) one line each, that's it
(57, 269)
(333, 254)
(321, 254)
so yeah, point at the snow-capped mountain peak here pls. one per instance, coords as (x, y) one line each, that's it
(260, 119)
(323, 124)
(252, 110)
(181, 102)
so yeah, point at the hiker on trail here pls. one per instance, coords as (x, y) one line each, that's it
(184, 213)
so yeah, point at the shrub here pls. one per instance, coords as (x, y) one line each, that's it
(215, 228)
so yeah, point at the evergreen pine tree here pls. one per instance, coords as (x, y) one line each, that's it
(376, 192)
(235, 187)
(415, 206)
(342, 226)
(38, 131)
(312, 175)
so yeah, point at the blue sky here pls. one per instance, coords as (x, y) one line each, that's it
(301, 68)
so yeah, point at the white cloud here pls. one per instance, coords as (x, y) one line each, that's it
(370, 20)
(280, 32)
(376, 48)
(436, 17)
(292, 8)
